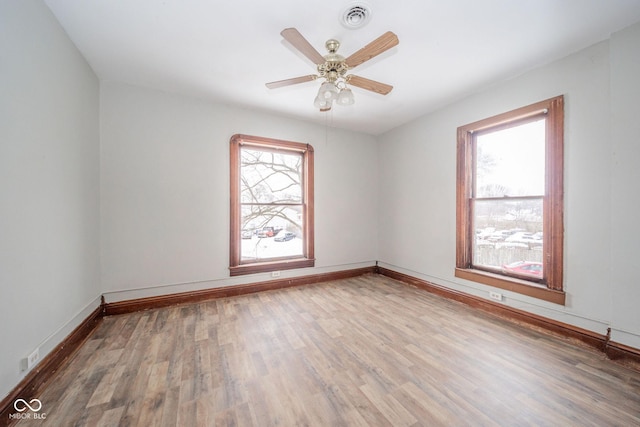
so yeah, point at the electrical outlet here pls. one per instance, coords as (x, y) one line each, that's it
(33, 358)
(275, 274)
(495, 295)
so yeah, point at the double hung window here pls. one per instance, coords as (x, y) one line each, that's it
(271, 205)
(510, 201)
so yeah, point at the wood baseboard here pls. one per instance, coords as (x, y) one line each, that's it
(33, 383)
(130, 306)
(624, 354)
(628, 355)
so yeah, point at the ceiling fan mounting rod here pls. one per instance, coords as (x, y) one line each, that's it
(332, 45)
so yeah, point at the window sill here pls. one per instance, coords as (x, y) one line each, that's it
(512, 284)
(263, 267)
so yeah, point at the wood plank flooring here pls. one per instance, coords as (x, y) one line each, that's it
(366, 351)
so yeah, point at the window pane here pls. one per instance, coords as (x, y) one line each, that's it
(511, 162)
(271, 232)
(508, 236)
(270, 177)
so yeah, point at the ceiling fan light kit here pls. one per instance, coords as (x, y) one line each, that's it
(333, 69)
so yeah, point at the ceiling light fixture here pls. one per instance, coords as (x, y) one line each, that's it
(334, 91)
(333, 69)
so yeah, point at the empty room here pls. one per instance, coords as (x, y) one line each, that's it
(339, 213)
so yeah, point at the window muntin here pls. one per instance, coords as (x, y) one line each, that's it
(510, 200)
(271, 205)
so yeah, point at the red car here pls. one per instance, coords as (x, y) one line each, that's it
(266, 232)
(525, 268)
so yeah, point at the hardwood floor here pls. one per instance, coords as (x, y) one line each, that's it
(366, 351)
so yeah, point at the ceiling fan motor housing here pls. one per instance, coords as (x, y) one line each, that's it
(334, 66)
(332, 70)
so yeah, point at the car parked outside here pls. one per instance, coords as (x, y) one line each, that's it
(498, 236)
(525, 268)
(284, 236)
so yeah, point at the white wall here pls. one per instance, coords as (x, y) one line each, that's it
(625, 194)
(165, 191)
(418, 186)
(49, 159)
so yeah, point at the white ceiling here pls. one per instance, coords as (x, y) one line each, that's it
(228, 50)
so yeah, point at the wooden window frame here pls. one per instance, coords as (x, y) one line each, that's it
(550, 287)
(236, 265)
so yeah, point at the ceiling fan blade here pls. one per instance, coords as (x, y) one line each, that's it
(375, 48)
(371, 85)
(299, 42)
(293, 81)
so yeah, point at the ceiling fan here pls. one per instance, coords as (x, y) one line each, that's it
(334, 67)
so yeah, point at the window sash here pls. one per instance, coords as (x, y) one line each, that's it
(278, 251)
(283, 179)
(524, 136)
(500, 247)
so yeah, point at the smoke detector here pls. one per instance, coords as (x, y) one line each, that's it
(356, 15)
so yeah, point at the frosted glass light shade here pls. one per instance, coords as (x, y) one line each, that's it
(345, 97)
(328, 91)
(322, 103)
